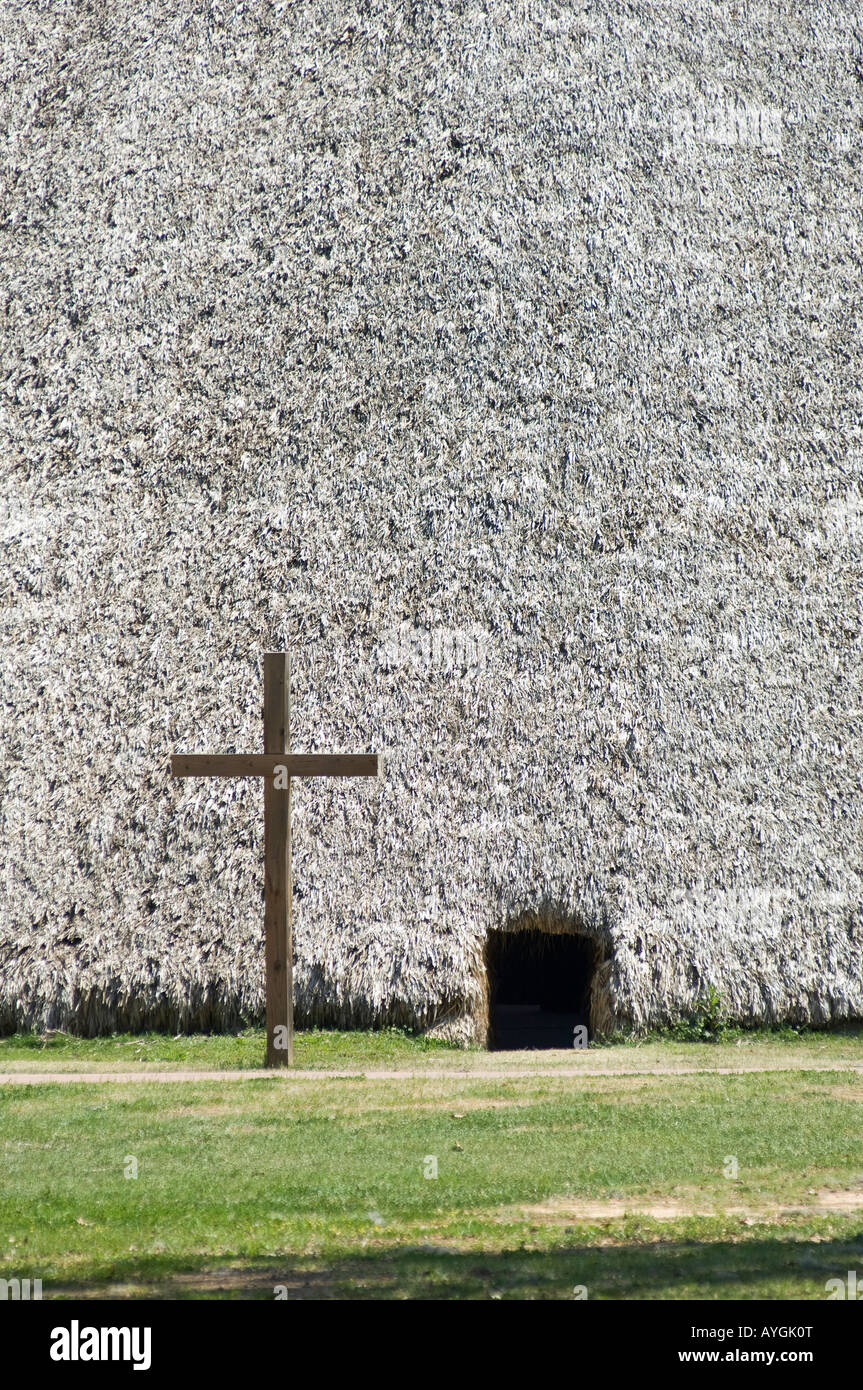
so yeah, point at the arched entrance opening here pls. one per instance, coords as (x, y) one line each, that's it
(539, 987)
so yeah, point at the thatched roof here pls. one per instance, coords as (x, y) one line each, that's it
(503, 361)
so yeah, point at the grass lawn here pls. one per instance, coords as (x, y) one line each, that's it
(200, 1051)
(393, 1047)
(322, 1186)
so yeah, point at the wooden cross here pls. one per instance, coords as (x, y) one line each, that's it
(277, 765)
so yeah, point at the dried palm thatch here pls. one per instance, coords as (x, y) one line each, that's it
(503, 360)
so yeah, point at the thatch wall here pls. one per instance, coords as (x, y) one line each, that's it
(503, 360)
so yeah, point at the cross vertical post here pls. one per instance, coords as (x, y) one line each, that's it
(278, 944)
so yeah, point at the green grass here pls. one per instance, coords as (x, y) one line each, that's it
(319, 1185)
(243, 1050)
(328, 1049)
(695, 1030)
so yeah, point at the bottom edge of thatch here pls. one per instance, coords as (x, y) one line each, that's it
(463, 1022)
(92, 1016)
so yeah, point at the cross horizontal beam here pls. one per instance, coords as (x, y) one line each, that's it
(266, 764)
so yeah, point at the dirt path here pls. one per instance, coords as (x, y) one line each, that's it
(559, 1209)
(44, 1078)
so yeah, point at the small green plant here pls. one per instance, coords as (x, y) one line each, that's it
(706, 1022)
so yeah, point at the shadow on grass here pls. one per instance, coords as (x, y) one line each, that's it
(655, 1269)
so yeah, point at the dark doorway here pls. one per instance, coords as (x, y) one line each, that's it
(539, 987)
